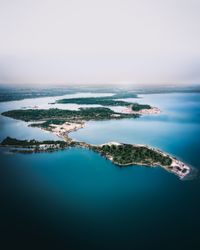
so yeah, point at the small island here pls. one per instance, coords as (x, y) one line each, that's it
(120, 154)
(55, 115)
(104, 101)
(135, 154)
(116, 100)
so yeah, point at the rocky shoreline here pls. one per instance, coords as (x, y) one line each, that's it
(172, 164)
(150, 111)
(177, 167)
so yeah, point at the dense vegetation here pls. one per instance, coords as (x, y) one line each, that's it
(8, 141)
(124, 154)
(127, 154)
(104, 101)
(66, 115)
(138, 107)
(33, 146)
(107, 101)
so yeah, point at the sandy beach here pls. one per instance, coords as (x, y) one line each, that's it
(64, 129)
(151, 111)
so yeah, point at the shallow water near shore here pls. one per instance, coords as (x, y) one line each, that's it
(77, 199)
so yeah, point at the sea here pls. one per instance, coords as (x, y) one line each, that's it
(76, 199)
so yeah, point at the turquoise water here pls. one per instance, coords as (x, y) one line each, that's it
(20, 130)
(176, 130)
(75, 199)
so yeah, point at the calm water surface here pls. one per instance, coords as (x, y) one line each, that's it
(75, 199)
(20, 130)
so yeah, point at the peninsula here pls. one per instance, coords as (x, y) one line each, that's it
(120, 154)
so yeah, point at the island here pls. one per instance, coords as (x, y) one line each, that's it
(135, 154)
(104, 101)
(62, 122)
(110, 101)
(120, 154)
(55, 114)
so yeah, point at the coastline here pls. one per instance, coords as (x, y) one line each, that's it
(177, 167)
(63, 130)
(151, 111)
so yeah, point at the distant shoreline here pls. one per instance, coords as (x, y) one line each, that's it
(42, 90)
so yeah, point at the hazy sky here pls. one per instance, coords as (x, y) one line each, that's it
(100, 41)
